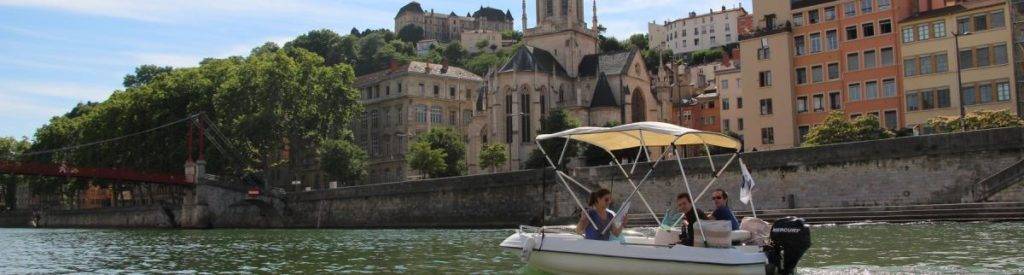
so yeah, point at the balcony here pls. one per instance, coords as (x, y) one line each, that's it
(773, 29)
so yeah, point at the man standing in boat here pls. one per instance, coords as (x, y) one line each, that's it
(722, 210)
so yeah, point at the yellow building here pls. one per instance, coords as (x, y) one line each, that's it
(930, 60)
(404, 101)
(767, 79)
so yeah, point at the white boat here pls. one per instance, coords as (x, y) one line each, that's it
(570, 253)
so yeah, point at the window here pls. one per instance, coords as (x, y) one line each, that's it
(451, 92)
(912, 102)
(798, 44)
(963, 25)
(387, 90)
(726, 126)
(889, 88)
(524, 119)
(891, 120)
(868, 29)
(801, 104)
(813, 17)
(870, 59)
(565, 8)
(423, 90)
(830, 13)
(969, 95)
(927, 65)
(1003, 91)
(765, 79)
(871, 90)
(980, 22)
(764, 52)
(997, 20)
(941, 63)
(766, 106)
(943, 97)
(437, 91)
(983, 54)
(833, 71)
(453, 117)
(985, 91)
(888, 57)
(850, 9)
(725, 104)
(739, 124)
(801, 76)
(939, 29)
(798, 19)
(833, 39)
(884, 4)
(818, 102)
(966, 59)
(852, 62)
(854, 91)
(999, 53)
(768, 135)
(549, 7)
(923, 32)
(865, 6)
(885, 26)
(851, 32)
(739, 103)
(817, 74)
(835, 100)
(910, 67)
(436, 116)
(421, 113)
(908, 34)
(803, 130)
(815, 42)
(725, 84)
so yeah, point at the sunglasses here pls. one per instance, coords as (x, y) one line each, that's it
(716, 198)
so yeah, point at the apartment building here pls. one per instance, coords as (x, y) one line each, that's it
(767, 78)
(730, 96)
(404, 101)
(698, 32)
(930, 60)
(1017, 15)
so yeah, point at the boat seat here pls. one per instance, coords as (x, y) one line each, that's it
(739, 235)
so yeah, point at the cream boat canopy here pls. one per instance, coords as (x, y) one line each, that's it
(641, 134)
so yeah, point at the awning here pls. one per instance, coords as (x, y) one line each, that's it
(655, 134)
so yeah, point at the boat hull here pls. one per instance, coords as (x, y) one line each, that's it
(571, 263)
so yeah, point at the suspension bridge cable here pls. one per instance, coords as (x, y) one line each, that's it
(73, 147)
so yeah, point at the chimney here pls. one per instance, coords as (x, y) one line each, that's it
(727, 60)
(444, 66)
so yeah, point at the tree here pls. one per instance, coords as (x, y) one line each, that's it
(144, 74)
(705, 56)
(455, 54)
(451, 143)
(10, 148)
(411, 33)
(481, 63)
(653, 58)
(638, 42)
(979, 120)
(323, 42)
(429, 161)
(343, 161)
(611, 44)
(512, 35)
(493, 156)
(837, 129)
(482, 44)
(354, 32)
(559, 120)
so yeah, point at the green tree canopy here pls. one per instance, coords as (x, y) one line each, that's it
(559, 120)
(343, 161)
(323, 42)
(452, 144)
(512, 35)
(979, 120)
(638, 41)
(411, 33)
(493, 155)
(144, 74)
(611, 44)
(455, 54)
(429, 161)
(837, 129)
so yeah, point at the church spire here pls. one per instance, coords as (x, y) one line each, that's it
(524, 16)
(595, 15)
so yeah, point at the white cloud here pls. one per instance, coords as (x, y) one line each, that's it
(73, 91)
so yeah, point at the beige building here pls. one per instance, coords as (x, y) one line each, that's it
(930, 60)
(697, 32)
(405, 101)
(728, 81)
(560, 67)
(471, 41)
(449, 27)
(767, 79)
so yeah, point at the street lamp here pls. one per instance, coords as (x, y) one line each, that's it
(959, 78)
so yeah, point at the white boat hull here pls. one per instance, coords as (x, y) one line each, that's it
(571, 254)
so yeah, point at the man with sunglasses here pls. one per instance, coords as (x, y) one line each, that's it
(722, 211)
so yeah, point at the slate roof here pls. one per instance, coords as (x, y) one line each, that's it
(603, 95)
(421, 68)
(493, 14)
(611, 64)
(411, 7)
(530, 59)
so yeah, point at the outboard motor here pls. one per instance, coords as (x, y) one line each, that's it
(790, 239)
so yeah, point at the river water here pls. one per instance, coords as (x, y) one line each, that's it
(842, 249)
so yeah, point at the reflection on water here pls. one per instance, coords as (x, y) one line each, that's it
(925, 247)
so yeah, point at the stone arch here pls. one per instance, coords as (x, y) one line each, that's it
(639, 106)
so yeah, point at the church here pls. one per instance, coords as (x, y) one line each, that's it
(560, 67)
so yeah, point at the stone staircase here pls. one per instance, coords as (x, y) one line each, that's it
(989, 187)
(964, 212)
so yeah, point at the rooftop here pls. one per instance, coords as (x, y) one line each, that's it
(418, 67)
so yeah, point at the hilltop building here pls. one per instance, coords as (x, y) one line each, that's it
(449, 27)
(700, 32)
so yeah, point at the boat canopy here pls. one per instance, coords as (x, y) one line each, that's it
(644, 134)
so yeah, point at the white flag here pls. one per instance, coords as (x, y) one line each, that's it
(747, 186)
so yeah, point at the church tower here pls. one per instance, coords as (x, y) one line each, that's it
(562, 30)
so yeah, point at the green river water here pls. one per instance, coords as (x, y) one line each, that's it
(842, 249)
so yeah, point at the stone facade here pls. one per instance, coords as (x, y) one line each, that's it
(404, 101)
(470, 39)
(449, 27)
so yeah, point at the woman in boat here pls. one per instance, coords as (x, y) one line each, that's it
(684, 205)
(599, 213)
(722, 210)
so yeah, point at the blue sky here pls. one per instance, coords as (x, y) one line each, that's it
(56, 53)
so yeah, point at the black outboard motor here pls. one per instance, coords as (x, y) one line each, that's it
(790, 239)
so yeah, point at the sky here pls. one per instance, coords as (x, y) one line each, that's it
(57, 53)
